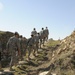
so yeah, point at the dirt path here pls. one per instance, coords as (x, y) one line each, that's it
(37, 64)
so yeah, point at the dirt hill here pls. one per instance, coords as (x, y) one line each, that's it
(63, 58)
(4, 36)
(57, 57)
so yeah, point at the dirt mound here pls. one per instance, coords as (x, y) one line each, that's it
(57, 57)
(4, 36)
(63, 59)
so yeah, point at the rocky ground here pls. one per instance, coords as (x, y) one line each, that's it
(37, 64)
(63, 60)
(55, 58)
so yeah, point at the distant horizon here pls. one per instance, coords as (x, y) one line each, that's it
(30, 34)
(24, 15)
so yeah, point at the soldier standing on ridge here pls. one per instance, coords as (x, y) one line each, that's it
(46, 33)
(13, 47)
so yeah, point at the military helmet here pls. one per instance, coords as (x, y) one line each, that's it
(16, 33)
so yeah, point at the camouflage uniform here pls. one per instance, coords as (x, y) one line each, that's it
(24, 44)
(46, 34)
(34, 32)
(21, 46)
(36, 38)
(30, 45)
(13, 45)
(42, 36)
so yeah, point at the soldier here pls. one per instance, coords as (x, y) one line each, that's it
(24, 44)
(34, 32)
(42, 37)
(30, 44)
(36, 38)
(21, 46)
(46, 33)
(13, 47)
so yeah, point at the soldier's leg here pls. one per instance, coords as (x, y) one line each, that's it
(37, 46)
(40, 42)
(47, 37)
(34, 50)
(22, 54)
(43, 41)
(11, 62)
(14, 60)
(21, 57)
(17, 58)
(25, 50)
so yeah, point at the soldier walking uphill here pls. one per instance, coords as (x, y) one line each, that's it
(36, 38)
(42, 37)
(24, 45)
(30, 44)
(23, 42)
(13, 47)
(21, 46)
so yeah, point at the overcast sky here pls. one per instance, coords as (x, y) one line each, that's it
(24, 15)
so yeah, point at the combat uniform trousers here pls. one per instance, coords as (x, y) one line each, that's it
(40, 42)
(24, 51)
(37, 46)
(30, 50)
(34, 49)
(43, 40)
(14, 58)
(46, 38)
